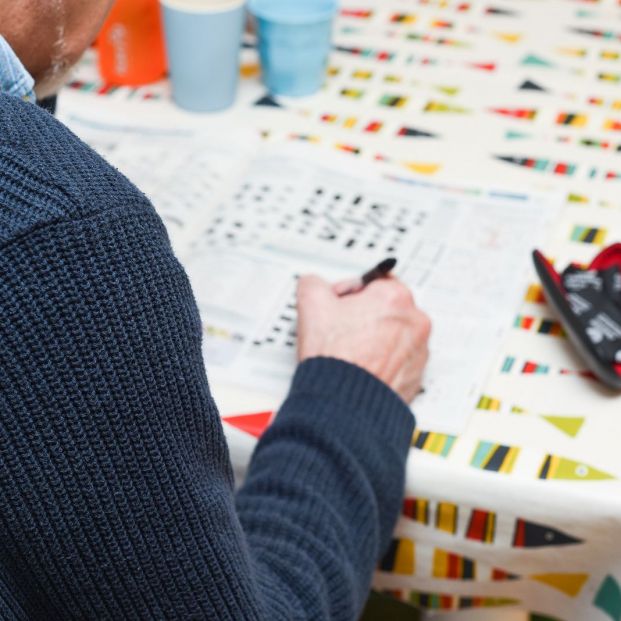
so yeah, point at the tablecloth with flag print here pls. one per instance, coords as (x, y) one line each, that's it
(523, 509)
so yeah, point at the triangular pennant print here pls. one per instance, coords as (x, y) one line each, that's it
(512, 135)
(529, 85)
(253, 424)
(561, 468)
(451, 91)
(508, 37)
(608, 598)
(570, 584)
(423, 168)
(570, 425)
(494, 10)
(267, 101)
(412, 132)
(537, 61)
(439, 106)
(484, 66)
(527, 114)
(534, 535)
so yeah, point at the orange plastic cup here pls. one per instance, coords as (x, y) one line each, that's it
(131, 44)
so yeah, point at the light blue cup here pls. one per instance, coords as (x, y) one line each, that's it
(294, 43)
(203, 39)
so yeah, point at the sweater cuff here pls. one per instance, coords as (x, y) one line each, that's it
(369, 405)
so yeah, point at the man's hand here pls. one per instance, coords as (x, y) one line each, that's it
(379, 329)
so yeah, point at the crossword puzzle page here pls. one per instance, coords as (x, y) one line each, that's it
(247, 220)
(462, 251)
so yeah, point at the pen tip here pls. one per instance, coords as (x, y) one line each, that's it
(387, 265)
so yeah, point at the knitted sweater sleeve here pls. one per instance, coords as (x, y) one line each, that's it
(116, 495)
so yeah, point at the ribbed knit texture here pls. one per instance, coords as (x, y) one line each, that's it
(116, 497)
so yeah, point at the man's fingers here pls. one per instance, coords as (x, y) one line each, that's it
(311, 286)
(353, 285)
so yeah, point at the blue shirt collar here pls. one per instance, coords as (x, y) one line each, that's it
(14, 79)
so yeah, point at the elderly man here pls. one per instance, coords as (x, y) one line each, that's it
(116, 493)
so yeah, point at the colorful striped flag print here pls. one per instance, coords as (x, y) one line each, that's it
(540, 325)
(438, 106)
(527, 114)
(393, 101)
(445, 601)
(447, 565)
(416, 509)
(589, 235)
(437, 443)
(542, 165)
(572, 119)
(494, 457)
(447, 515)
(482, 526)
(400, 558)
(561, 468)
(534, 535)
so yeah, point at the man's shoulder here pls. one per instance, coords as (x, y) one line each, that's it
(47, 174)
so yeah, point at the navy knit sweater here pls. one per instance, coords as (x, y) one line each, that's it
(116, 492)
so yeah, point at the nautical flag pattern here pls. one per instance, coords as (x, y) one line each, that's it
(252, 424)
(614, 104)
(600, 144)
(439, 106)
(569, 425)
(423, 168)
(416, 509)
(400, 557)
(588, 235)
(447, 515)
(534, 535)
(348, 148)
(562, 468)
(447, 565)
(378, 55)
(445, 601)
(600, 34)
(403, 18)
(103, 89)
(443, 41)
(608, 598)
(481, 526)
(494, 457)
(451, 566)
(612, 125)
(539, 325)
(414, 84)
(565, 169)
(527, 114)
(361, 74)
(569, 584)
(572, 119)
(489, 403)
(357, 13)
(352, 93)
(437, 443)
(534, 294)
(393, 101)
(530, 368)
(412, 132)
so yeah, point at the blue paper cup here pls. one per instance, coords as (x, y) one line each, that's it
(294, 43)
(203, 39)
